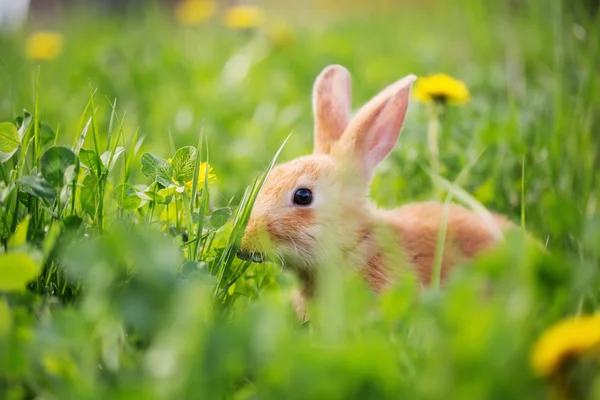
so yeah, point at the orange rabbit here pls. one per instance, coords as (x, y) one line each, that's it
(310, 204)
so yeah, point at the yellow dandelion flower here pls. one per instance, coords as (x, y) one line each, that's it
(280, 33)
(441, 88)
(201, 175)
(194, 12)
(244, 17)
(44, 45)
(569, 338)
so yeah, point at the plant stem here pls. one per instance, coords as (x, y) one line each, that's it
(177, 222)
(36, 131)
(433, 128)
(150, 214)
(100, 207)
(436, 276)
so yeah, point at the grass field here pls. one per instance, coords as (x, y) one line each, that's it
(116, 282)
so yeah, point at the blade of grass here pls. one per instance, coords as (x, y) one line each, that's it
(240, 221)
(436, 277)
(237, 275)
(99, 214)
(134, 146)
(36, 130)
(460, 194)
(203, 204)
(56, 135)
(77, 145)
(113, 149)
(192, 207)
(172, 142)
(523, 192)
(442, 233)
(79, 140)
(113, 112)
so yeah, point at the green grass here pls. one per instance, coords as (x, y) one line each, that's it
(117, 282)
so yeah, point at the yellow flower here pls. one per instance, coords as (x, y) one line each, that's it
(194, 12)
(569, 338)
(201, 175)
(280, 33)
(243, 17)
(44, 45)
(441, 88)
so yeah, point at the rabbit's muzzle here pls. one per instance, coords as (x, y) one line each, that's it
(251, 256)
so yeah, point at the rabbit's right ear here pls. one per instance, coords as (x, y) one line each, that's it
(331, 106)
(375, 128)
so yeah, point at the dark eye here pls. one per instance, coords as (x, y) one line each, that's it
(303, 197)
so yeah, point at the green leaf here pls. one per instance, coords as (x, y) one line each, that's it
(54, 163)
(161, 196)
(220, 217)
(167, 194)
(23, 123)
(87, 196)
(47, 134)
(52, 236)
(9, 141)
(157, 168)
(20, 236)
(16, 270)
(5, 319)
(5, 224)
(106, 157)
(6, 192)
(149, 193)
(141, 193)
(72, 222)
(195, 268)
(170, 191)
(84, 131)
(127, 197)
(155, 197)
(184, 162)
(87, 158)
(37, 187)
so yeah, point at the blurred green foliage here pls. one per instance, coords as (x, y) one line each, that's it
(119, 281)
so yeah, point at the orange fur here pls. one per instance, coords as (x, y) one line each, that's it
(378, 243)
(417, 227)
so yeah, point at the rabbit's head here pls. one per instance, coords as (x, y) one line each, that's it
(307, 202)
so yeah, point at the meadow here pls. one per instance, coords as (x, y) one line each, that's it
(132, 147)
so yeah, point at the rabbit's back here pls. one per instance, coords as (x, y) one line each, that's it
(418, 226)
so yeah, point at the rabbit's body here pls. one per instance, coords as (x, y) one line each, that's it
(417, 228)
(315, 208)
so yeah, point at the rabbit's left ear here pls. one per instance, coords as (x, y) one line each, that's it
(331, 106)
(373, 132)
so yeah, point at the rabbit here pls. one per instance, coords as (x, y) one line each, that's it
(313, 202)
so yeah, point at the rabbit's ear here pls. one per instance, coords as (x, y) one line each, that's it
(373, 132)
(331, 106)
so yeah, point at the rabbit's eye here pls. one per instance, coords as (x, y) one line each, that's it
(303, 197)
